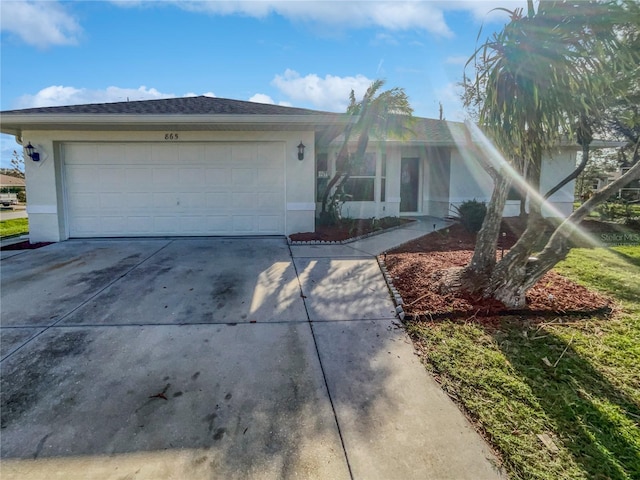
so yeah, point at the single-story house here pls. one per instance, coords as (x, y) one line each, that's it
(11, 183)
(202, 166)
(630, 193)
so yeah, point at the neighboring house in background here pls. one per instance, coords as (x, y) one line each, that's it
(10, 188)
(211, 166)
(630, 193)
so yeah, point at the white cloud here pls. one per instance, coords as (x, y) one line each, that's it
(208, 94)
(328, 93)
(47, 23)
(41, 24)
(392, 15)
(262, 98)
(61, 95)
(387, 14)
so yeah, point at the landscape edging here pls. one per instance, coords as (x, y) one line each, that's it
(397, 298)
(348, 240)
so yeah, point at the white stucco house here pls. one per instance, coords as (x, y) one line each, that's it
(202, 166)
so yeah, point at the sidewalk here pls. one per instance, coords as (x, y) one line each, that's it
(394, 420)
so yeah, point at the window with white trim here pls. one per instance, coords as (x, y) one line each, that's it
(360, 186)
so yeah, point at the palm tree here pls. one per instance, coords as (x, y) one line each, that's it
(383, 114)
(547, 76)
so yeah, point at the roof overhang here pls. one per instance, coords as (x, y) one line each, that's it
(15, 124)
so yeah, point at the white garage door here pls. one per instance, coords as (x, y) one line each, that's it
(135, 189)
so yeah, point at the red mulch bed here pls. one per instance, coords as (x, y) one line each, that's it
(416, 267)
(348, 229)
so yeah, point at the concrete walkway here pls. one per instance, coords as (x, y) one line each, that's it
(160, 358)
(394, 419)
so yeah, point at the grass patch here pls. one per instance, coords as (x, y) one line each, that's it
(16, 226)
(575, 382)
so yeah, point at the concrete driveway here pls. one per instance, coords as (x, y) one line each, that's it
(215, 358)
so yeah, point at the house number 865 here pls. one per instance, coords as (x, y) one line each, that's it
(171, 136)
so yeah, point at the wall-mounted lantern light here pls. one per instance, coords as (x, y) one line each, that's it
(301, 148)
(31, 152)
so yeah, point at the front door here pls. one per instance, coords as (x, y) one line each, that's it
(409, 184)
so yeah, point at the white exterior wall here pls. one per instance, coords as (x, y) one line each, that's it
(469, 181)
(44, 180)
(557, 167)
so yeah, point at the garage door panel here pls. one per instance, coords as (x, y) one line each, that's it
(110, 201)
(244, 177)
(163, 177)
(192, 224)
(78, 153)
(270, 177)
(269, 201)
(79, 202)
(81, 177)
(269, 224)
(174, 189)
(88, 225)
(164, 200)
(192, 154)
(244, 153)
(111, 179)
(112, 154)
(140, 225)
(193, 201)
(113, 224)
(244, 200)
(218, 225)
(192, 177)
(244, 224)
(269, 150)
(165, 154)
(141, 200)
(217, 200)
(136, 154)
(165, 225)
(218, 176)
(218, 152)
(138, 180)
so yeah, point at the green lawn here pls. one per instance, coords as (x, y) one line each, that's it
(17, 226)
(577, 384)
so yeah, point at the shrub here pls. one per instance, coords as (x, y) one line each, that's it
(470, 214)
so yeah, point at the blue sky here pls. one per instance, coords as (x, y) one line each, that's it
(301, 53)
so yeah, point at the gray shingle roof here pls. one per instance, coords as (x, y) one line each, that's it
(434, 131)
(172, 106)
(426, 130)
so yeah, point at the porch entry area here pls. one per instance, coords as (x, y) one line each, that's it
(409, 184)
